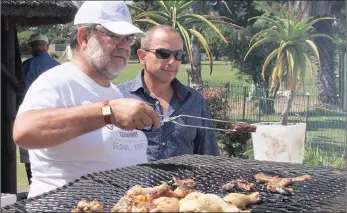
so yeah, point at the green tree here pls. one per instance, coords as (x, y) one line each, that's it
(179, 15)
(293, 37)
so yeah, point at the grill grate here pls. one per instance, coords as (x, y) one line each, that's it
(325, 192)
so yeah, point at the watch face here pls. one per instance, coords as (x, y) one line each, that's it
(106, 110)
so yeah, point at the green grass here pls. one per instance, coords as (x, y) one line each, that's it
(22, 180)
(221, 72)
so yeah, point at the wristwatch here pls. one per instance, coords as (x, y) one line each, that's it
(106, 112)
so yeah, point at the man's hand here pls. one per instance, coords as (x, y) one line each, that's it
(129, 114)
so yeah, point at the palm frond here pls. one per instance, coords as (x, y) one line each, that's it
(148, 21)
(137, 9)
(256, 44)
(204, 20)
(163, 5)
(314, 48)
(186, 39)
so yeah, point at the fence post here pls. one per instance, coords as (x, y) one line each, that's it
(259, 108)
(244, 104)
(306, 114)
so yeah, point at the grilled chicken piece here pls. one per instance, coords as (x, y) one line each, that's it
(239, 183)
(279, 185)
(89, 206)
(139, 199)
(149, 193)
(184, 182)
(199, 202)
(184, 187)
(166, 204)
(134, 204)
(242, 200)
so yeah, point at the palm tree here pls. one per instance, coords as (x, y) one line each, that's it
(294, 39)
(180, 15)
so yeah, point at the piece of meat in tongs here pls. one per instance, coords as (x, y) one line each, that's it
(278, 184)
(243, 127)
(240, 184)
(184, 186)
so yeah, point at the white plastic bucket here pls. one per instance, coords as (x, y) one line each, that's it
(274, 142)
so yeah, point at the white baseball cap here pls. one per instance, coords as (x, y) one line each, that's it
(113, 15)
(37, 37)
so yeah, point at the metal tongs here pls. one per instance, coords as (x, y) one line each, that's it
(173, 119)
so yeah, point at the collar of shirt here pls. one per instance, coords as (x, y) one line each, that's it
(139, 84)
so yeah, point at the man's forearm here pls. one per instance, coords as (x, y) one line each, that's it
(39, 129)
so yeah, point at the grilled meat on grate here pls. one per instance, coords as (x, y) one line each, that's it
(279, 185)
(166, 204)
(240, 184)
(89, 206)
(184, 187)
(183, 199)
(242, 200)
(199, 202)
(326, 192)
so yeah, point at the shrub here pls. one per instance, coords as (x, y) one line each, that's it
(231, 144)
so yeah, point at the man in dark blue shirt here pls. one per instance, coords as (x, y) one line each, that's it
(33, 67)
(161, 54)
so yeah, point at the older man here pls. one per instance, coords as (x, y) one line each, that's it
(33, 67)
(161, 54)
(73, 120)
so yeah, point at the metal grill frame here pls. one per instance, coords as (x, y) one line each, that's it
(210, 173)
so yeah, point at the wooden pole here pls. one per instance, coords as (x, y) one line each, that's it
(8, 109)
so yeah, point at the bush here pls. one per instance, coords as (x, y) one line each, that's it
(231, 144)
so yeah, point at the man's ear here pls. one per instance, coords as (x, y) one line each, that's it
(141, 54)
(82, 37)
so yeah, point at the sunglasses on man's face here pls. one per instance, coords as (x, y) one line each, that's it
(161, 53)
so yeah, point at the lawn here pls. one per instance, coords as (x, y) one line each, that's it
(221, 72)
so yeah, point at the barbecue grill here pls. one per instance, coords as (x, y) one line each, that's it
(325, 192)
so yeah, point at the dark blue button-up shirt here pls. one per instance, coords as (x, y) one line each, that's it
(172, 139)
(35, 66)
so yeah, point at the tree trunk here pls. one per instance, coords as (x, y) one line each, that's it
(326, 78)
(286, 110)
(194, 72)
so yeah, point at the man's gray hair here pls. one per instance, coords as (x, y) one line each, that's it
(74, 32)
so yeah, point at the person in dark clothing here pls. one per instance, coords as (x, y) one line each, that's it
(33, 67)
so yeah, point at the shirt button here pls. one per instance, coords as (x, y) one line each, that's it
(163, 144)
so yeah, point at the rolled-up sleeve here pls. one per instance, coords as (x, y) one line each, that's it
(206, 140)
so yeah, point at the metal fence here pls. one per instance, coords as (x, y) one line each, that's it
(326, 123)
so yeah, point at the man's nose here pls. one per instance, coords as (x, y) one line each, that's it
(125, 46)
(172, 59)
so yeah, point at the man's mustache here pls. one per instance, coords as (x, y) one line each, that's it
(120, 52)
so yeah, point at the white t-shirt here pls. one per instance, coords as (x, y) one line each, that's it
(102, 149)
